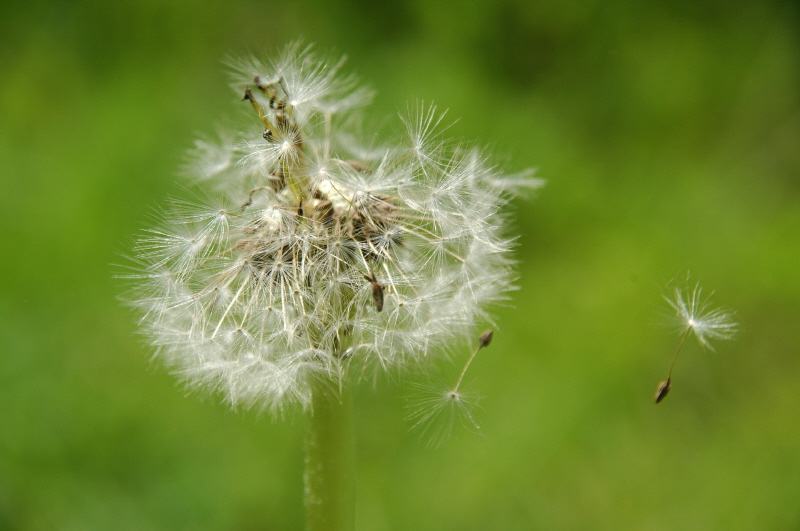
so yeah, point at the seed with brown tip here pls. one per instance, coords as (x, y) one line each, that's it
(485, 338)
(377, 291)
(663, 389)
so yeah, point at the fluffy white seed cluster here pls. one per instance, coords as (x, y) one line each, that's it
(321, 254)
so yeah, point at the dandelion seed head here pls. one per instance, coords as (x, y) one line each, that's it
(323, 254)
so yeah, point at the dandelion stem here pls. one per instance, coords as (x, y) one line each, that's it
(330, 459)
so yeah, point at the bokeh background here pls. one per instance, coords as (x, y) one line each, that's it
(669, 134)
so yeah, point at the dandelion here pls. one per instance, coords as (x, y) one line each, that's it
(695, 315)
(321, 256)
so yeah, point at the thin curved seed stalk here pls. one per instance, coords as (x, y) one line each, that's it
(694, 315)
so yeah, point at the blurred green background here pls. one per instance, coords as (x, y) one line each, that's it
(669, 134)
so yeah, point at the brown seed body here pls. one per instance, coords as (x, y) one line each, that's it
(486, 338)
(377, 295)
(377, 291)
(663, 390)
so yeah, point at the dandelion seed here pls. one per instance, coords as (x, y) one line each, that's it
(695, 315)
(437, 409)
(330, 253)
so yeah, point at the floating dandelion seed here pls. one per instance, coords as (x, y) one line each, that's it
(437, 408)
(695, 315)
(323, 254)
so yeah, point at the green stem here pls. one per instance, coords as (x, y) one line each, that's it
(330, 459)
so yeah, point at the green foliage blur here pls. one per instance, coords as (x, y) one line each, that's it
(669, 134)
